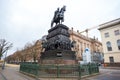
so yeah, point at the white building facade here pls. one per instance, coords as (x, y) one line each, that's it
(110, 34)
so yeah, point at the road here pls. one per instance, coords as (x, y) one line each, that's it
(106, 74)
(11, 72)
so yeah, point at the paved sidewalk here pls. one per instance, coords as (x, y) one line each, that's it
(11, 72)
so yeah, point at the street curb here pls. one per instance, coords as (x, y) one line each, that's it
(90, 75)
(30, 75)
(87, 76)
(27, 74)
(115, 68)
(3, 76)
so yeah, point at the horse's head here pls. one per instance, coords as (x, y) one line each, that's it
(61, 13)
(64, 8)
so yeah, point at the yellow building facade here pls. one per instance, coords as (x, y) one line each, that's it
(83, 42)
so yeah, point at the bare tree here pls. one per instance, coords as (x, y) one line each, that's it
(30, 52)
(27, 51)
(33, 50)
(9, 58)
(34, 53)
(4, 46)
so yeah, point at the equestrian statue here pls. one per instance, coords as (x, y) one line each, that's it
(58, 16)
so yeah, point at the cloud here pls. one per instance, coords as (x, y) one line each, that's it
(23, 21)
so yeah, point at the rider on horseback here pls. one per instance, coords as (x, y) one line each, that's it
(58, 16)
(56, 13)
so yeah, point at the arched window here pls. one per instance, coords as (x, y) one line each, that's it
(118, 44)
(109, 46)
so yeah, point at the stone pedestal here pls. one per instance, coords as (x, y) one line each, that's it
(58, 47)
(58, 57)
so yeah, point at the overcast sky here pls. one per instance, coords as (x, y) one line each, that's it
(23, 21)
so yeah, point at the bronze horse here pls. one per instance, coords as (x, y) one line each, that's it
(58, 16)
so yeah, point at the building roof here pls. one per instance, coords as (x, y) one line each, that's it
(109, 24)
(84, 37)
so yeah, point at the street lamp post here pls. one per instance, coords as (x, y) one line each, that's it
(3, 66)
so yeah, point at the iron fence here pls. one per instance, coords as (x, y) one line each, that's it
(59, 70)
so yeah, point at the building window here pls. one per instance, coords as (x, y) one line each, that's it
(81, 46)
(106, 34)
(111, 59)
(118, 44)
(109, 48)
(87, 45)
(116, 32)
(84, 45)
